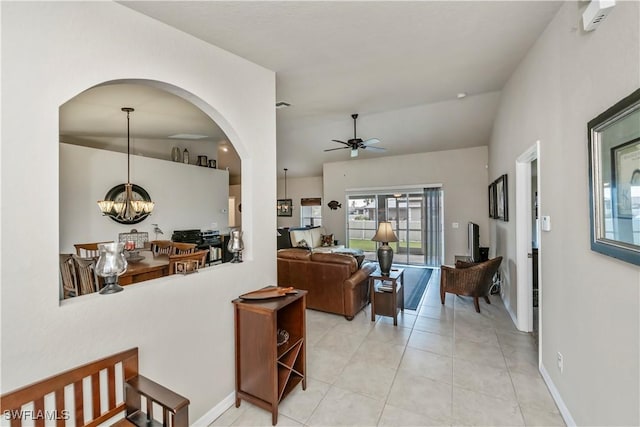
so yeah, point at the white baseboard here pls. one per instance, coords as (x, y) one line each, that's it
(213, 413)
(555, 394)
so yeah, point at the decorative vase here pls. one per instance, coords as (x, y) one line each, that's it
(185, 156)
(110, 265)
(236, 245)
(175, 154)
(385, 259)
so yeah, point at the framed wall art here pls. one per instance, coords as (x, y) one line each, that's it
(284, 207)
(614, 180)
(492, 200)
(502, 201)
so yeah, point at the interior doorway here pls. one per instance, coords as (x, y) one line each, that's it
(528, 245)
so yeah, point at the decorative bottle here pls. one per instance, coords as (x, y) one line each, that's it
(185, 156)
(175, 154)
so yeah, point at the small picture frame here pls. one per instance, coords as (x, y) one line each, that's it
(492, 200)
(502, 202)
(284, 207)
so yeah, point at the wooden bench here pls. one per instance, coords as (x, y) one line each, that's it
(175, 408)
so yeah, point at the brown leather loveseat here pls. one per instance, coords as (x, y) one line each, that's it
(334, 281)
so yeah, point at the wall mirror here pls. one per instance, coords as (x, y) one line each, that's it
(614, 174)
(178, 158)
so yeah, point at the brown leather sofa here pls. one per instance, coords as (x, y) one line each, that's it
(334, 281)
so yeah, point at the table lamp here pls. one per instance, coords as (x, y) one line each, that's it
(385, 235)
(110, 265)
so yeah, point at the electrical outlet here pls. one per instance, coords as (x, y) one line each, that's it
(560, 362)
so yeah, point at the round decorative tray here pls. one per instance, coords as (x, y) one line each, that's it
(283, 337)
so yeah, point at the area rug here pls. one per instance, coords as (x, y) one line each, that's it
(415, 283)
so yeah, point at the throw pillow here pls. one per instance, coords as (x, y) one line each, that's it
(303, 244)
(326, 239)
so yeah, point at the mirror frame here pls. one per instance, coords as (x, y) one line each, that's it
(603, 239)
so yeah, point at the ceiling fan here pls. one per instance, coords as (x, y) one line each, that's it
(355, 143)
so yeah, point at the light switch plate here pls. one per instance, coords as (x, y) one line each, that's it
(546, 223)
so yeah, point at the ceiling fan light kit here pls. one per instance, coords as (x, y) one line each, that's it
(356, 143)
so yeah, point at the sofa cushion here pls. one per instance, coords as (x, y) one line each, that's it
(336, 259)
(294, 253)
(302, 243)
(311, 235)
(326, 239)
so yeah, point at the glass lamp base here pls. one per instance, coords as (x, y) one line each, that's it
(111, 286)
(236, 257)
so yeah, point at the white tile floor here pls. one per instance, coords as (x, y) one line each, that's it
(440, 366)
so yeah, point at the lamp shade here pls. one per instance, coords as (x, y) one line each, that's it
(385, 233)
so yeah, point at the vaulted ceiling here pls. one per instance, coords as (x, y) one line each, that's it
(400, 65)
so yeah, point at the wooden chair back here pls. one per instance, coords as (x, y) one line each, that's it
(87, 278)
(183, 248)
(69, 278)
(200, 256)
(88, 250)
(101, 405)
(159, 247)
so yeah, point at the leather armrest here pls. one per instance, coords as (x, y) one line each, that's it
(360, 275)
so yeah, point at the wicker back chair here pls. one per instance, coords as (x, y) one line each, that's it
(87, 277)
(69, 276)
(470, 279)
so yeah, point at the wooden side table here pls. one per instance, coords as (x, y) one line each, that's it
(387, 303)
(265, 371)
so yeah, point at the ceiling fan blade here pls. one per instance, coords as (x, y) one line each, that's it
(341, 142)
(371, 141)
(368, 147)
(339, 148)
(354, 152)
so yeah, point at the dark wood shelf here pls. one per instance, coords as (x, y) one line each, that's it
(266, 372)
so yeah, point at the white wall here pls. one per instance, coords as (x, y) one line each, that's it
(52, 51)
(589, 302)
(186, 197)
(462, 173)
(157, 148)
(236, 191)
(298, 188)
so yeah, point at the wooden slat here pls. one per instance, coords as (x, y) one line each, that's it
(95, 395)
(79, 402)
(165, 417)
(60, 407)
(149, 409)
(38, 408)
(111, 387)
(19, 397)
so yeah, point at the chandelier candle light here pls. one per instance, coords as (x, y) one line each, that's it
(385, 235)
(126, 208)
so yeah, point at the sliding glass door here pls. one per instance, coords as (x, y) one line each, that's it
(415, 217)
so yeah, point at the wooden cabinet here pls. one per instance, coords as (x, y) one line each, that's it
(265, 371)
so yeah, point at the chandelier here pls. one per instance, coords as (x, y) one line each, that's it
(127, 203)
